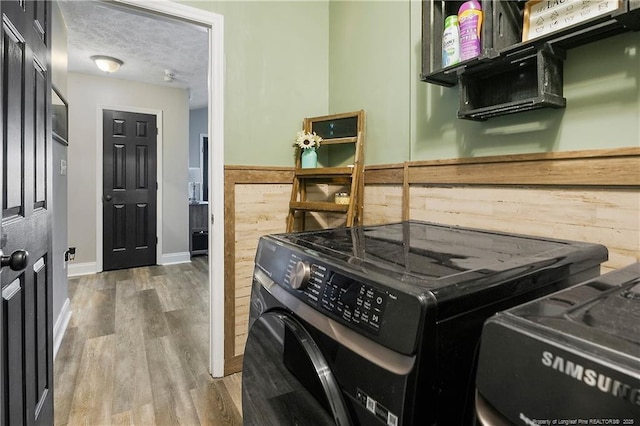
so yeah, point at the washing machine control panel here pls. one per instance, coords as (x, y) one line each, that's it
(348, 299)
(382, 310)
(354, 301)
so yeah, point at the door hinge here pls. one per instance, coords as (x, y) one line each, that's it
(212, 218)
(156, 186)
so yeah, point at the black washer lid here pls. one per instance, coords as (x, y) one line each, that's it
(447, 260)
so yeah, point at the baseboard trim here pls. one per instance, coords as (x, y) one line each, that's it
(61, 326)
(87, 268)
(174, 258)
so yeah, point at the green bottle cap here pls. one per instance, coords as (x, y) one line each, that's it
(450, 20)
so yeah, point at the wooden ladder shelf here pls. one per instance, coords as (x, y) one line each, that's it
(337, 129)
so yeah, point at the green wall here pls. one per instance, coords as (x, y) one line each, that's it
(289, 60)
(412, 120)
(369, 68)
(276, 73)
(601, 89)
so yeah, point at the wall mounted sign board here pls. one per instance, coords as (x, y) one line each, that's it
(542, 17)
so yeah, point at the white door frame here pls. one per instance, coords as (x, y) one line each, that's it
(215, 25)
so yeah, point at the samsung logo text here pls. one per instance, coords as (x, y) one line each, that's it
(592, 378)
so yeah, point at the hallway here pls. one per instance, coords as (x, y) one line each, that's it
(136, 351)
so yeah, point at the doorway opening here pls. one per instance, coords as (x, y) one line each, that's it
(214, 24)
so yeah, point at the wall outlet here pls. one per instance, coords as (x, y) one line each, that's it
(70, 254)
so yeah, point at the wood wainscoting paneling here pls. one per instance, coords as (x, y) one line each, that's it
(256, 200)
(589, 196)
(612, 167)
(388, 174)
(383, 204)
(605, 216)
(384, 194)
(583, 195)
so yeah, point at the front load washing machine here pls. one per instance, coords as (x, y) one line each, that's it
(379, 325)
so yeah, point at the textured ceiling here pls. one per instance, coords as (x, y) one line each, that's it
(148, 46)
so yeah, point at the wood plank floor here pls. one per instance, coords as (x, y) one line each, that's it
(136, 352)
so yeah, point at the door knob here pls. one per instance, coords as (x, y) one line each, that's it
(107, 197)
(17, 261)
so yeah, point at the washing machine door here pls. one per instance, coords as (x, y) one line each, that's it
(285, 377)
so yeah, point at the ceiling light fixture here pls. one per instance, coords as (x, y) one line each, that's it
(169, 76)
(107, 63)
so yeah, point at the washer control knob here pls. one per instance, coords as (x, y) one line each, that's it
(300, 275)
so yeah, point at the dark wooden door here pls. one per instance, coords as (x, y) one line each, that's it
(205, 168)
(26, 371)
(130, 190)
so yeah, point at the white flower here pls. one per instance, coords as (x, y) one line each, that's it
(307, 140)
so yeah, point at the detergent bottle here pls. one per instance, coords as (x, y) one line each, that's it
(450, 41)
(470, 21)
